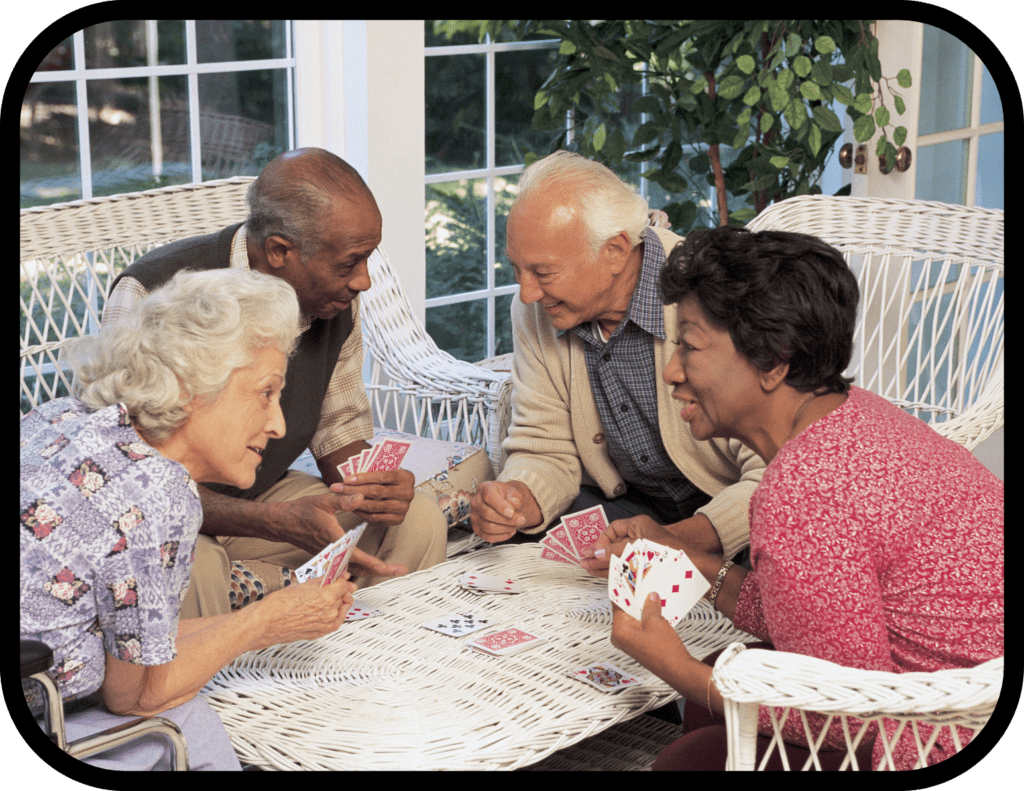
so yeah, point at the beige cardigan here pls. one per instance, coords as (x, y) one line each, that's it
(556, 440)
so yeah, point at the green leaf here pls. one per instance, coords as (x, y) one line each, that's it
(766, 122)
(810, 90)
(796, 113)
(599, 137)
(825, 44)
(786, 78)
(842, 93)
(746, 64)
(899, 137)
(740, 141)
(645, 133)
(567, 48)
(903, 78)
(827, 119)
(731, 87)
(779, 98)
(802, 66)
(540, 100)
(882, 116)
(864, 128)
(900, 106)
(779, 162)
(862, 103)
(814, 139)
(752, 96)
(793, 43)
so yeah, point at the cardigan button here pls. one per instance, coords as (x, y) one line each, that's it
(620, 489)
(598, 438)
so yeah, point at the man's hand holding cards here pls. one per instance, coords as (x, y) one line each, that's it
(647, 567)
(384, 456)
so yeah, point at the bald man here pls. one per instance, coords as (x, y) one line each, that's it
(314, 223)
(592, 422)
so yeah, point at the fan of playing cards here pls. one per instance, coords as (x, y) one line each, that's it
(645, 567)
(574, 533)
(332, 561)
(384, 456)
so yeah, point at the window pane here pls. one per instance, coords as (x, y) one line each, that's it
(456, 237)
(240, 39)
(455, 115)
(436, 32)
(122, 44)
(505, 191)
(461, 330)
(243, 121)
(989, 188)
(126, 154)
(49, 145)
(991, 104)
(946, 82)
(518, 76)
(941, 172)
(503, 324)
(59, 58)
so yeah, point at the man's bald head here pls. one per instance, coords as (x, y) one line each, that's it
(296, 191)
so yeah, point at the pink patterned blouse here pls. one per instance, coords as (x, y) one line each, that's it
(876, 544)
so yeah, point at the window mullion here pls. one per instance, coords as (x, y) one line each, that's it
(191, 60)
(82, 101)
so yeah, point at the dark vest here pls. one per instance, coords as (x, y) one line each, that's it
(309, 369)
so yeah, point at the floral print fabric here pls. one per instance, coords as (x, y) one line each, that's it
(877, 544)
(107, 531)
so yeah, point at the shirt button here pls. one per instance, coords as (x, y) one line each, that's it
(598, 439)
(606, 357)
(643, 459)
(620, 489)
(624, 407)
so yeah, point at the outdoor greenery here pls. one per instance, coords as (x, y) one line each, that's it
(746, 107)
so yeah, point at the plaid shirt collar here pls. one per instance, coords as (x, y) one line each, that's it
(645, 308)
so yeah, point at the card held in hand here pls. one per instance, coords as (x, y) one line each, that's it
(647, 567)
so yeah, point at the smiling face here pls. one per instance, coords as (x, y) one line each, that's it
(329, 281)
(719, 389)
(547, 244)
(223, 441)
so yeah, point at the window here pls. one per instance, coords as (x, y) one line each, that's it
(479, 109)
(135, 104)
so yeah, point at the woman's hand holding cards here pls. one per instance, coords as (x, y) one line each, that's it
(614, 539)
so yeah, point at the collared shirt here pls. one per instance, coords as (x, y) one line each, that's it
(345, 416)
(624, 381)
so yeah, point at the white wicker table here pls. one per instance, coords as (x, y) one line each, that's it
(386, 693)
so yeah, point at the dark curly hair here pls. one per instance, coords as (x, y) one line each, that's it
(783, 297)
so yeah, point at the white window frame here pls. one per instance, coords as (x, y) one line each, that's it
(191, 69)
(489, 172)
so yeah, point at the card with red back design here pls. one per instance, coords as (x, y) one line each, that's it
(384, 456)
(585, 527)
(505, 642)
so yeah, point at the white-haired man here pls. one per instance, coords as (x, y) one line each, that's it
(592, 422)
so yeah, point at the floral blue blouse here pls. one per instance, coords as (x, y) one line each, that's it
(108, 530)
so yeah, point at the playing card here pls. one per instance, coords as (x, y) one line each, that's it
(645, 567)
(558, 539)
(343, 548)
(490, 584)
(606, 677)
(585, 527)
(554, 551)
(346, 468)
(457, 624)
(387, 455)
(505, 642)
(360, 610)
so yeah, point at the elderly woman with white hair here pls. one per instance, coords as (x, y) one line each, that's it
(184, 390)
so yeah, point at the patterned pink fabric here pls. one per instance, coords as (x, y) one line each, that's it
(876, 544)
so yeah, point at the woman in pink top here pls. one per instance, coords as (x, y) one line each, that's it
(875, 543)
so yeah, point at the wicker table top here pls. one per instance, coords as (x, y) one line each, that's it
(386, 693)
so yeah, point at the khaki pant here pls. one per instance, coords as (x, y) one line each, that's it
(418, 543)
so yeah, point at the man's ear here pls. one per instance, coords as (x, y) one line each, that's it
(278, 249)
(618, 249)
(773, 378)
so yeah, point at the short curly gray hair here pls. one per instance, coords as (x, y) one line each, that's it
(183, 341)
(608, 205)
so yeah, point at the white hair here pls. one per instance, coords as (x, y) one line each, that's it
(608, 205)
(183, 341)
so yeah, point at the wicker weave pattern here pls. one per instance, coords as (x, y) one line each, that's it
(748, 678)
(385, 693)
(930, 332)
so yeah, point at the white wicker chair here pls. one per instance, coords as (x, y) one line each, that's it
(930, 333)
(71, 252)
(749, 678)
